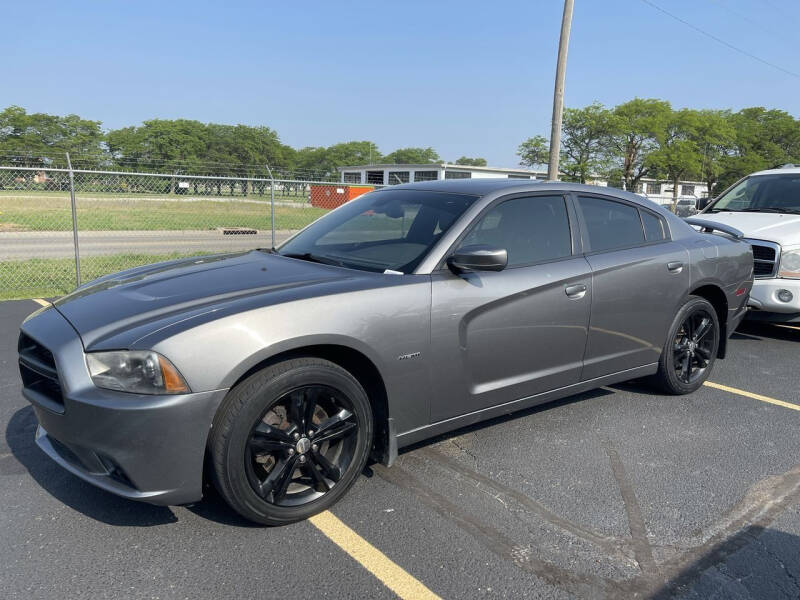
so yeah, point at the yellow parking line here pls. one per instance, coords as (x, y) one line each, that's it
(372, 559)
(752, 395)
(41, 301)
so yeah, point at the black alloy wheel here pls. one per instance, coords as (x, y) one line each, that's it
(290, 440)
(300, 447)
(690, 348)
(694, 346)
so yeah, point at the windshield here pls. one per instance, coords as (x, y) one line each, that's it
(383, 230)
(762, 193)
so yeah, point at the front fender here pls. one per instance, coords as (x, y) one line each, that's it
(297, 344)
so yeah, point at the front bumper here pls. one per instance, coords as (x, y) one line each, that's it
(765, 304)
(141, 447)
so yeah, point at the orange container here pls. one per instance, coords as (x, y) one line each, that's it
(333, 196)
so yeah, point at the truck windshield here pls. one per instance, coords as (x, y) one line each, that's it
(762, 193)
(383, 230)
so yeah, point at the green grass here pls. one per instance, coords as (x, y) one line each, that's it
(49, 277)
(80, 194)
(21, 213)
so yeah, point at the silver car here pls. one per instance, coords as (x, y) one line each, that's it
(405, 313)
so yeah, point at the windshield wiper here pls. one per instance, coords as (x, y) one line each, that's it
(268, 250)
(313, 258)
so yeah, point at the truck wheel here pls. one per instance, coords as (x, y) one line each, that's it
(290, 440)
(690, 349)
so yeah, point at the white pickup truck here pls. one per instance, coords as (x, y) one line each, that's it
(765, 207)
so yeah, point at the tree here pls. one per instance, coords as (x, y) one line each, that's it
(534, 151)
(678, 155)
(472, 162)
(160, 141)
(633, 129)
(412, 156)
(321, 161)
(715, 137)
(763, 138)
(34, 139)
(583, 137)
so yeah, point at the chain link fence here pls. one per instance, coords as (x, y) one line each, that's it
(60, 227)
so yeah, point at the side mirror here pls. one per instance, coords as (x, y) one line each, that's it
(478, 257)
(703, 202)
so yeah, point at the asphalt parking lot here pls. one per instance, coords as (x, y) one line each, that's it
(616, 493)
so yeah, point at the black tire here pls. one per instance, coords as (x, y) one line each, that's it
(690, 347)
(257, 439)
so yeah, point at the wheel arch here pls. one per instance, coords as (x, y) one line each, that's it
(716, 296)
(359, 365)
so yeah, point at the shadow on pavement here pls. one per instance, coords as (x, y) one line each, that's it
(89, 500)
(755, 330)
(756, 562)
(214, 508)
(519, 414)
(65, 487)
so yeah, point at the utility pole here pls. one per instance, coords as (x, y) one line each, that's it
(558, 93)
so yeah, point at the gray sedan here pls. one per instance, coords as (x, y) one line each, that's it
(407, 312)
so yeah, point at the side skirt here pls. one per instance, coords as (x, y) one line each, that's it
(415, 435)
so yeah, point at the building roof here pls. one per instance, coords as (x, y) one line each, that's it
(420, 167)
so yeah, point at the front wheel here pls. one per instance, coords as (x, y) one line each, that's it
(290, 440)
(690, 349)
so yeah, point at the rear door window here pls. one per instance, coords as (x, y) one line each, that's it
(653, 227)
(610, 224)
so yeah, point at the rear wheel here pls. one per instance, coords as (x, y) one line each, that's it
(691, 348)
(290, 440)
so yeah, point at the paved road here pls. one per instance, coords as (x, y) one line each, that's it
(617, 493)
(59, 244)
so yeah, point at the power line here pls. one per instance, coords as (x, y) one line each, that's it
(721, 41)
(750, 20)
(780, 10)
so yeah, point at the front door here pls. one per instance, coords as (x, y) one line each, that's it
(501, 336)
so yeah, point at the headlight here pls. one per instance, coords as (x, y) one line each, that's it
(790, 263)
(136, 371)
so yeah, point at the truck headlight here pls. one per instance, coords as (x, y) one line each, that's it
(136, 371)
(790, 263)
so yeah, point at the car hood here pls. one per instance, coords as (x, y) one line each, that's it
(774, 227)
(141, 300)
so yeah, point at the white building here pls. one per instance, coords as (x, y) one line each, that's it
(654, 189)
(394, 174)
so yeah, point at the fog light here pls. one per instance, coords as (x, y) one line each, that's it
(785, 295)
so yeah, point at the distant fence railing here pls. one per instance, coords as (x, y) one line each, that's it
(60, 227)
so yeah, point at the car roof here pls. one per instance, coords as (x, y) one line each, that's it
(778, 171)
(486, 186)
(483, 186)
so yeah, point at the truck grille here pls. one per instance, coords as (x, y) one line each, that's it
(765, 258)
(37, 367)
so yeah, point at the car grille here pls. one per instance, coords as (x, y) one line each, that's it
(37, 367)
(765, 258)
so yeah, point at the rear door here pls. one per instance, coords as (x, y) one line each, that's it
(640, 278)
(502, 336)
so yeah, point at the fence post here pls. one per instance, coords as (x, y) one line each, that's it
(272, 203)
(74, 223)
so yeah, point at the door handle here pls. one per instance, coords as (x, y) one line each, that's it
(675, 267)
(575, 291)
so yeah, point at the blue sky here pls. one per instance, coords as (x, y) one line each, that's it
(467, 78)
